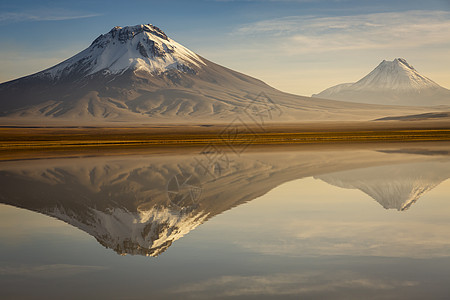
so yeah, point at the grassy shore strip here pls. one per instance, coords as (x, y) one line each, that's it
(75, 141)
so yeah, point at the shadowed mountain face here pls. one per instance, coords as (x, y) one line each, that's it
(139, 75)
(141, 204)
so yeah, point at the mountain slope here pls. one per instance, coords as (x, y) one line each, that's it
(138, 75)
(391, 82)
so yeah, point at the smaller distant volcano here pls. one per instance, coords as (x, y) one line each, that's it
(393, 83)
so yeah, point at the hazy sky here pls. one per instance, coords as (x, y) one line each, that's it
(298, 46)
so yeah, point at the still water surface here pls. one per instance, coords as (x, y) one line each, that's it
(353, 222)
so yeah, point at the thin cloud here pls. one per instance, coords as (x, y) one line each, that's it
(14, 17)
(308, 34)
(288, 284)
(331, 238)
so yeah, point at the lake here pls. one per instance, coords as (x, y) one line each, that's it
(335, 221)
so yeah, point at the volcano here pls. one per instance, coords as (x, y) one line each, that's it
(391, 83)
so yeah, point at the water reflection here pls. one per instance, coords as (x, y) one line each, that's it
(141, 204)
(396, 186)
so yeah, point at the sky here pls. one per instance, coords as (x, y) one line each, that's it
(297, 46)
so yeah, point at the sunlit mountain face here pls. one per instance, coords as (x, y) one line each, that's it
(142, 204)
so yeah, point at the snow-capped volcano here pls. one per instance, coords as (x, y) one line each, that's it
(391, 82)
(131, 74)
(139, 48)
(395, 75)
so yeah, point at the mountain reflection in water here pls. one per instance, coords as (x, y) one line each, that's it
(141, 204)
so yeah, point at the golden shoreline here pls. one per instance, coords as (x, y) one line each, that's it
(18, 143)
(12, 139)
(37, 143)
(229, 139)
